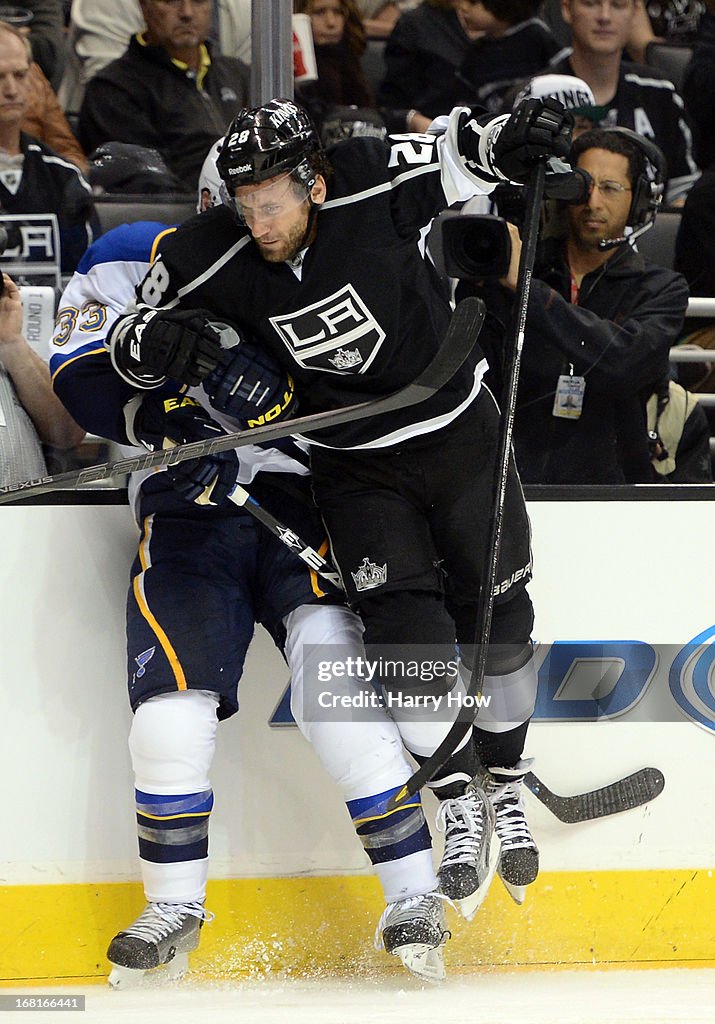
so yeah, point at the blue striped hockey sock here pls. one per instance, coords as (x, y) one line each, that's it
(173, 827)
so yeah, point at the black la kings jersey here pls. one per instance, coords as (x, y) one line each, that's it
(368, 311)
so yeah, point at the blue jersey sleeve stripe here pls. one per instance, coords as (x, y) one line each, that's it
(130, 242)
(58, 361)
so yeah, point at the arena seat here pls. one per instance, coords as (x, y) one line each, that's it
(373, 62)
(658, 244)
(113, 210)
(670, 60)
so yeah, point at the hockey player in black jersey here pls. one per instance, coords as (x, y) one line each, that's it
(322, 260)
(203, 577)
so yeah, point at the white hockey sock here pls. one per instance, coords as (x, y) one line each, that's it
(172, 743)
(413, 875)
(183, 882)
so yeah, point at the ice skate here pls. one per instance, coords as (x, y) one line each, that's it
(471, 849)
(157, 945)
(415, 930)
(519, 858)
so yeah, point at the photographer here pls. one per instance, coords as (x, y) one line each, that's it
(601, 320)
(30, 412)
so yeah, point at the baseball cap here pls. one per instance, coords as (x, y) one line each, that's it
(573, 92)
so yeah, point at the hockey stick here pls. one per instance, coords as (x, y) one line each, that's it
(458, 342)
(623, 795)
(513, 346)
(240, 496)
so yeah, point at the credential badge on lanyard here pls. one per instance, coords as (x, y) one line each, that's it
(568, 400)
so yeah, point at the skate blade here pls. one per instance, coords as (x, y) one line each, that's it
(125, 978)
(517, 892)
(469, 906)
(425, 962)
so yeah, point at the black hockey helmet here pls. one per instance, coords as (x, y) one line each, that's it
(125, 168)
(262, 142)
(349, 122)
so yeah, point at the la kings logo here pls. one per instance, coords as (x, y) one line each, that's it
(346, 360)
(369, 575)
(338, 334)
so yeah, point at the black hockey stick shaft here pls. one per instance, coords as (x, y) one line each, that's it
(625, 794)
(513, 346)
(458, 342)
(315, 561)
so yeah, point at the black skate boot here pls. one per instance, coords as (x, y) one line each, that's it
(471, 849)
(415, 930)
(162, 936)
(519, 859)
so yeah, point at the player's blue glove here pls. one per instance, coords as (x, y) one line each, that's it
(250, 385)
(206, 481)
(160, 422)
(149, 345)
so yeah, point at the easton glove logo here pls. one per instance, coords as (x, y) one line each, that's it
(278, 410)
(179, 402)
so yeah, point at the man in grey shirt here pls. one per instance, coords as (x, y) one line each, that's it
(30, 412)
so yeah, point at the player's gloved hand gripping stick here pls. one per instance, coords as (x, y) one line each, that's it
(161, 422)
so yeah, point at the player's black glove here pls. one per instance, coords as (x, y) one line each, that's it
(536, 130)
(249, 385)
(160, 422)
(149, 345)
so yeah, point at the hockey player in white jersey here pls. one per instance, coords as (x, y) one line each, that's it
(204, 575)
(320, 262)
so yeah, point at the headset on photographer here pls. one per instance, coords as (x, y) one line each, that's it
(647, 189)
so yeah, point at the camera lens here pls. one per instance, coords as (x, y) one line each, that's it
(479, 248)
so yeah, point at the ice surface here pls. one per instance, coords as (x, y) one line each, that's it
(675, 996)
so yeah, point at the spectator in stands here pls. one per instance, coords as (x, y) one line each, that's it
(47, 38)
(167, 91)
(671, 21)
(30, 413)
(33, 178)
(380, 16)
(699, 88)
(339, 41)
(640, 35)
(514, 44)
(635, 96)
(100, 30)
(46, 121)
(679, 434)
(422, 53)
(41, 23)
(600, 324)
